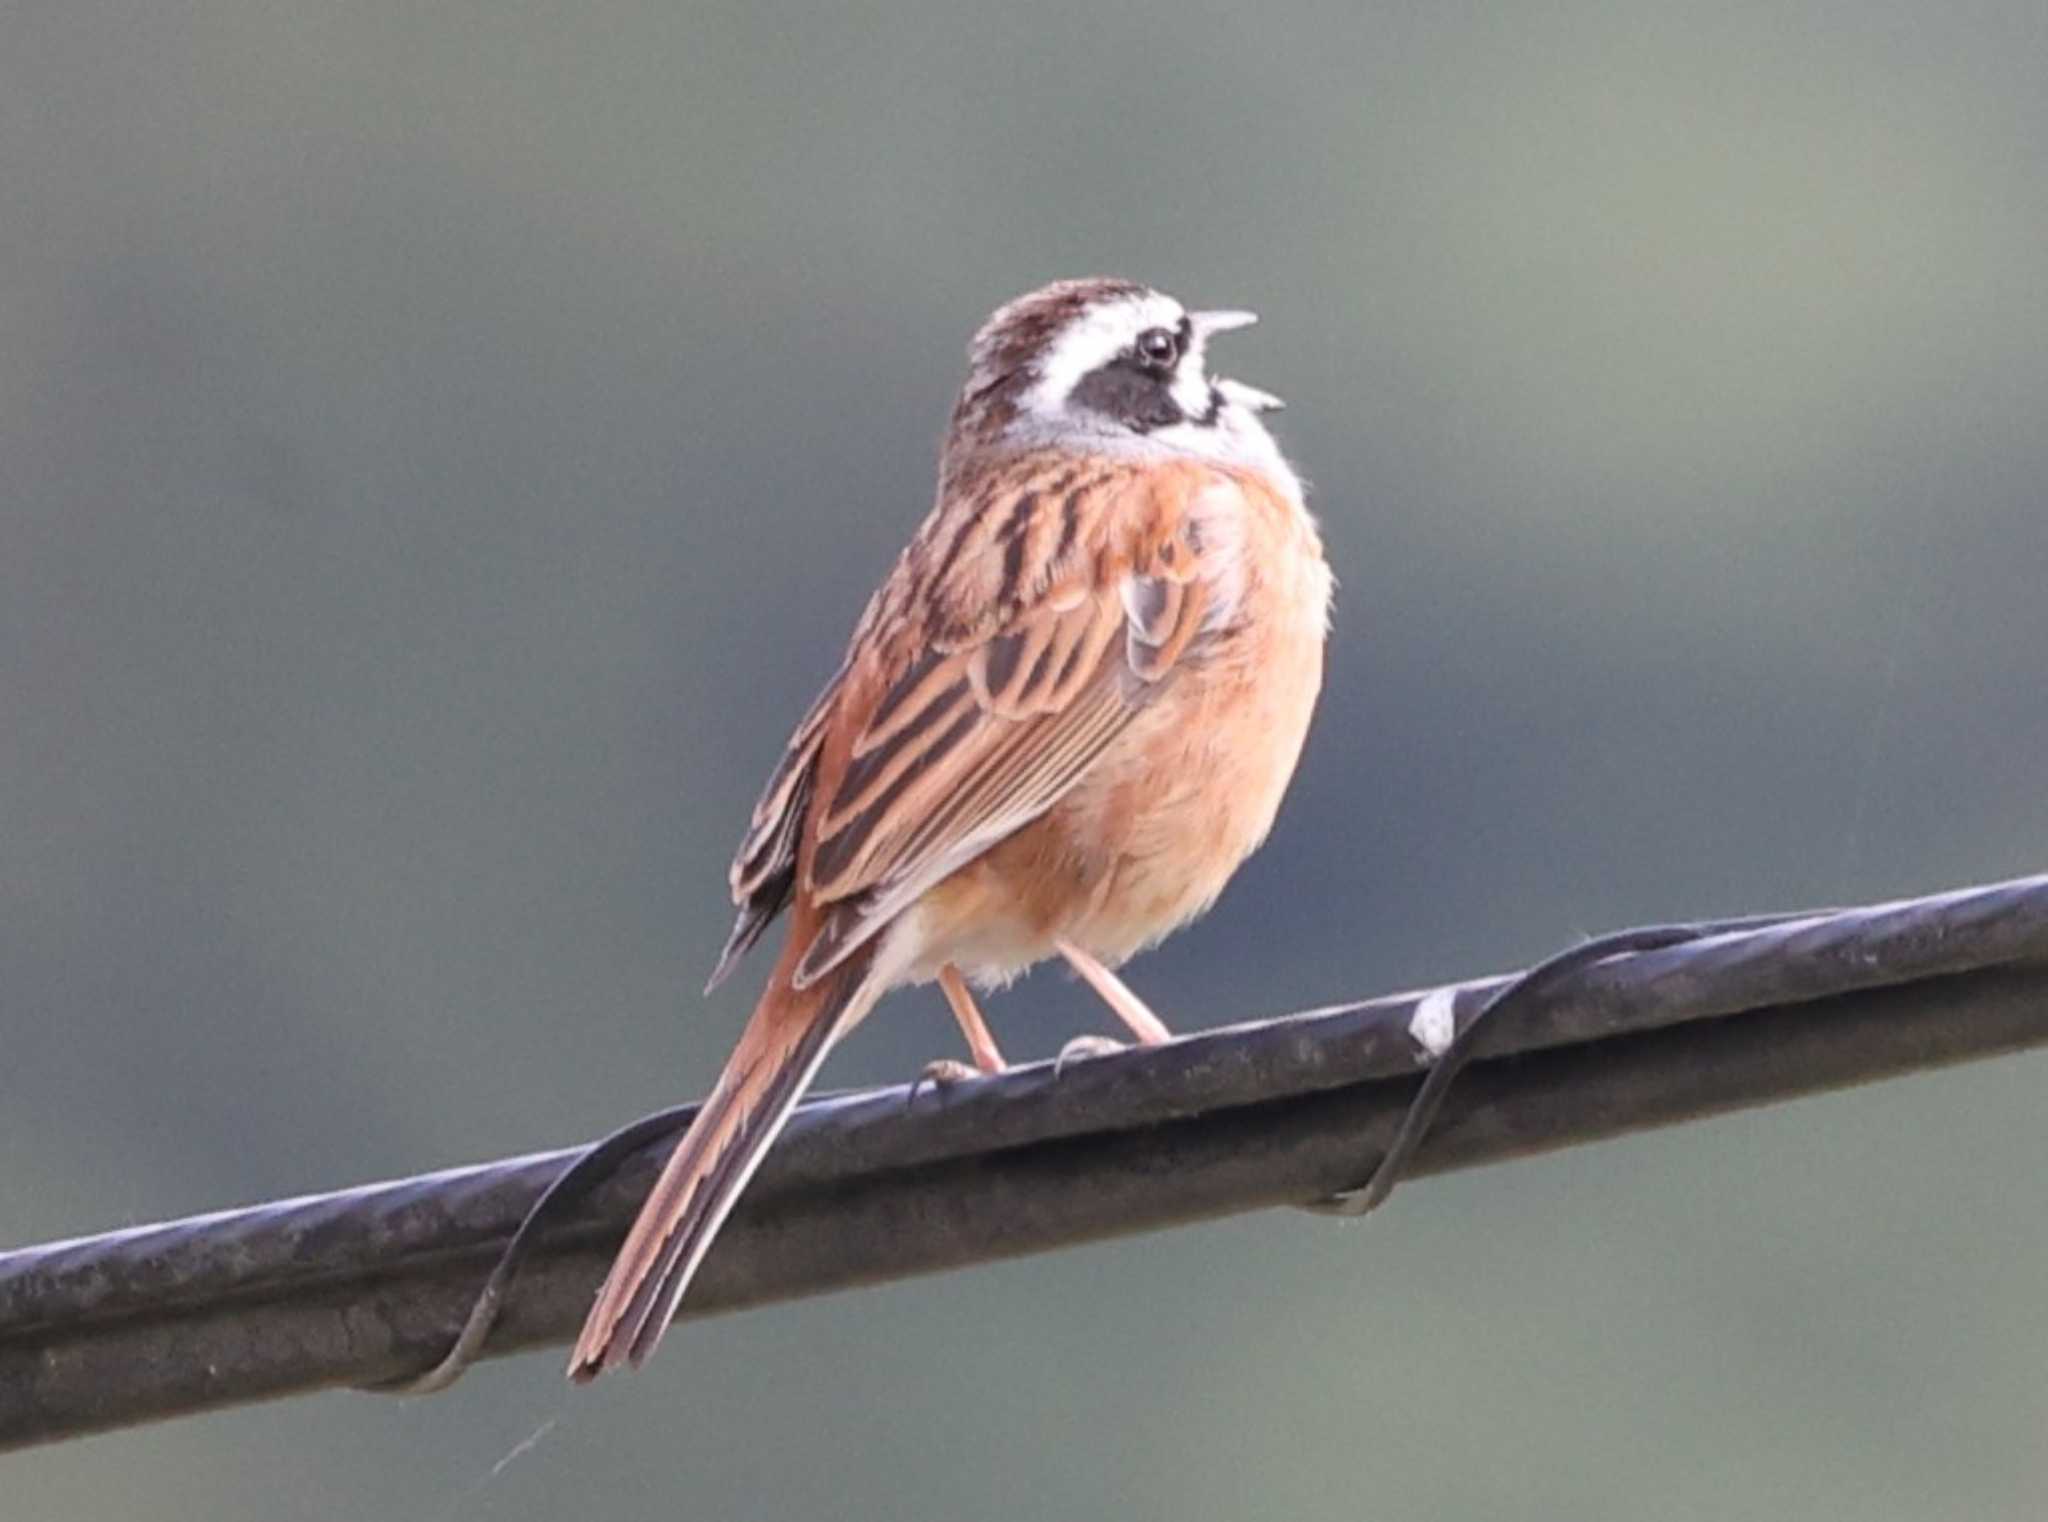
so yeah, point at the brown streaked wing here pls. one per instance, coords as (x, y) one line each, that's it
(985, 730)
(763, 872)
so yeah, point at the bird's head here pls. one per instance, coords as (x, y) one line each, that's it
(1113, 365)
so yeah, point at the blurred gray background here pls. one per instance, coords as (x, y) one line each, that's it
(442, 448)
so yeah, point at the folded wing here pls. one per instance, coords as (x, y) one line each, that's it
(1051, 610)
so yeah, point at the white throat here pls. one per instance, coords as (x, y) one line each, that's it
(1238, 437)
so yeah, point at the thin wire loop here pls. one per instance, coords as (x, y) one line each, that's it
(574, 1184)
(1550, 979)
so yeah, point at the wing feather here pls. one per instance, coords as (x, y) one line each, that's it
(763, 872)
(983, 733)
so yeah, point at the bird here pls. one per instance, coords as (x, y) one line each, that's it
(1064, 719)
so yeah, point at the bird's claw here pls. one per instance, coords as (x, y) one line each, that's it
(1083, 1047)
(941, 1073)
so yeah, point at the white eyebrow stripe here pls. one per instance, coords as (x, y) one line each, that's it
(1092, 341)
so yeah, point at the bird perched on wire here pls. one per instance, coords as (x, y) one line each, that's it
(1065, 718)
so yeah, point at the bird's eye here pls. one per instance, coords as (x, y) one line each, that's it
(1159, 346)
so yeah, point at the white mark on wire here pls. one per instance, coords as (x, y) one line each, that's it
(1435, 1021)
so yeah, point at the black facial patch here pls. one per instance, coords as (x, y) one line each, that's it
(1132, 393)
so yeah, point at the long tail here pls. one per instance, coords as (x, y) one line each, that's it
(778, 1052)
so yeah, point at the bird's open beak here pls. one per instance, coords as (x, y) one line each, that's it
(1208, 324)
(1249, 397)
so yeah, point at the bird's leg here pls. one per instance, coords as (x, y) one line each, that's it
(1116, 993)
(981, 1044)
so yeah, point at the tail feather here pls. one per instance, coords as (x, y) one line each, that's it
(778, 1053)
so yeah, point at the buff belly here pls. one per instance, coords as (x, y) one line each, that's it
(1186, 793)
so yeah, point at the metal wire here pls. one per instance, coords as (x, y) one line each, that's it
(372, 1284)
(591, 1167)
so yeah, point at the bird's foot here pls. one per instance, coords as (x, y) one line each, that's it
(942, 1073)
(1081, 1048)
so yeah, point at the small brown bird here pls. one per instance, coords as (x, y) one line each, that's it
(1063, 721)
